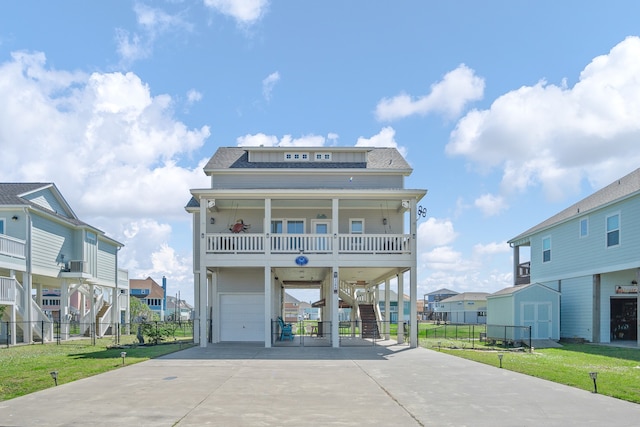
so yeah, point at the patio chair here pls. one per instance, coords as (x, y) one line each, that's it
(285, 330)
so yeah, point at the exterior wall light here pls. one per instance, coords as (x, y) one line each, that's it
(14, 218)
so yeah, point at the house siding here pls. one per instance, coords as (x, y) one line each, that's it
(593, 255)
(339, 180)
(576, 314)
(47, 200)
(49, 240)
(106, 269)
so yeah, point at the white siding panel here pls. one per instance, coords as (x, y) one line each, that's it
(49, 241)
(340, 180)
(107, 262)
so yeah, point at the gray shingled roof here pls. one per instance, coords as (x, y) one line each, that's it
(472, 296)
(10, 196)
(513, 289)
(620, 189)
(238, 158)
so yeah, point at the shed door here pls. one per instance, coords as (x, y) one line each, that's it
(242, 317)
(538, 316)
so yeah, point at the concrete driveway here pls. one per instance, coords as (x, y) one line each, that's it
(248, 385)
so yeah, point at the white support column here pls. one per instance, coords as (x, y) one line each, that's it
(413, 283)
(214, 304)
(335, 336)
(268, 280)
(335, 279)
(27, 303)
(387, 308)
(64, 310)
(92, 309)
(202, 285)
(400, 309)
(516, 263)
(12, 313)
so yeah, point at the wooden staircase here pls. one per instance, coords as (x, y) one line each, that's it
(369, 321)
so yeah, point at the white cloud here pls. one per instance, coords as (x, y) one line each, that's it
(193, 96)
(262, 140)
(492, 248)
(111, 147)
(385, 138)
(436, 232)
(268, 83)
(490, 204)
(448, 97)
(153, 23)
(245, 12)
(554, 136)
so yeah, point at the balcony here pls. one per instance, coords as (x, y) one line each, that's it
(524, 273)
(237, 243)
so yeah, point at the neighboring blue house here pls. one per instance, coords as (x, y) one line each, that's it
(433, 298)
(589, 253)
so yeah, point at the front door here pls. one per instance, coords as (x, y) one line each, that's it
(321, 227)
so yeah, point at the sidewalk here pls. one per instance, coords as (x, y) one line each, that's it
(248, 385)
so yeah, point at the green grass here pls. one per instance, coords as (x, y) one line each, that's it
(26, 369)
(618, 368)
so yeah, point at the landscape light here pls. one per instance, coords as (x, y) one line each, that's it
(123, 354)
(500, 356)
(594, 377)
(54, 375)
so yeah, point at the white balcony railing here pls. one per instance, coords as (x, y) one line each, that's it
(12, 247)
(308, 243)
(7, 290)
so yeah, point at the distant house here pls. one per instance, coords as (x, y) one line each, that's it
(151, 294)
(432, 298)
(467, 307)
(178, 309)
(589, 254)
(55, 268)
(393, 306)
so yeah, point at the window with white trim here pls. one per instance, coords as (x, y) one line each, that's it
(546, 249)
(296, 156)
(1, 225)
(613, 230)
(584, 227)
(356, 226)
(323, 156)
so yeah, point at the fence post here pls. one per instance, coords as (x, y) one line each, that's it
(8, 334)
(504, 343)
(530, 339)
(473, 336)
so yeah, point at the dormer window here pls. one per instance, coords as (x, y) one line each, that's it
(296, 157)
(323, 156)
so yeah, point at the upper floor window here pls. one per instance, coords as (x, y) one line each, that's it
(1, 225)
(546, 249)
(296, 156)
(356, 226)
(613, 230)
(91, 237)
(323, 156)
(584, 227)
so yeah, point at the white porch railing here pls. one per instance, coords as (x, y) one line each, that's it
(12, 247)
(7, 290)
(308, 243)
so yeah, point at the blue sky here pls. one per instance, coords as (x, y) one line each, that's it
(507, 111)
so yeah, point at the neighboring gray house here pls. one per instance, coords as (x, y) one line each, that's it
(467, 307)
(433, 298)
(334, 219)
(54, 267)
(589, 253)
(532, 305)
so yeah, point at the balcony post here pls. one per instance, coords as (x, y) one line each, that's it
(516, 264)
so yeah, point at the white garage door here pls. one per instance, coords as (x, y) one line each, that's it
(242, 317)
